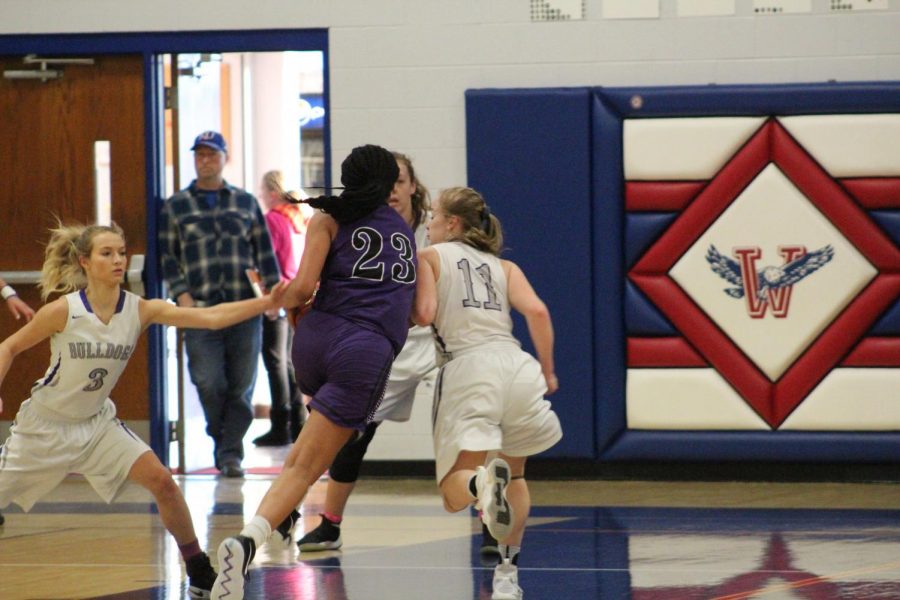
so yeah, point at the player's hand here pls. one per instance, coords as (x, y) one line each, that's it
(552, 383)
(185, 300)
(298, 312)
(19, 309)
(276, 296)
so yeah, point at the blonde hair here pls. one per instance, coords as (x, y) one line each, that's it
(420, 199)
(62, 272)
(274, 181)
(481, 229)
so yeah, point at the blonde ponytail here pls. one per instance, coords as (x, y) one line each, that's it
(62, 272)
(481, 229)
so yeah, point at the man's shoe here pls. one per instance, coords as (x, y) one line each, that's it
(272, 439)
(285, 531)
(201, 576)
(327, 536)
(490, 552)
(506, 582)
(234, 556)
(232, 468)
(491, 483)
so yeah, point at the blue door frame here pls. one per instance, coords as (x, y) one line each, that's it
(152, 45)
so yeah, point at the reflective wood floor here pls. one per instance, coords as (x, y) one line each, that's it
(597, 539)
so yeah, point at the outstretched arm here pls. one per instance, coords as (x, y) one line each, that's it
(47, 321)
(219, 316)
(16, 305)
(322, 229)
(523, 298)
(425, 301)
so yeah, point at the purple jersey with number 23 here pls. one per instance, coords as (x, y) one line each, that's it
(370, 274)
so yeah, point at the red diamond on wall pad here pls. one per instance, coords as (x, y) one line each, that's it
(772, 400)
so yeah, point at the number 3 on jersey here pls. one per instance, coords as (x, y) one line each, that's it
(96, 376)
(369, 265)
(470, 301)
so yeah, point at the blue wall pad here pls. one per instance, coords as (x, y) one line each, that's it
(529, 155)
(641, 230)
(780, 446)
(749, 100)
(642, 318)
(608, 204)
(889, 221)
(889, 323)
(550, 163)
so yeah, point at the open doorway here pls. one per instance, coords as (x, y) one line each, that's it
(270, 108)
(139, 175)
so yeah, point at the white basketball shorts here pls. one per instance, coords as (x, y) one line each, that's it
(40, 452)
(491, 399)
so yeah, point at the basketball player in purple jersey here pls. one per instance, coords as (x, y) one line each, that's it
(362, 256)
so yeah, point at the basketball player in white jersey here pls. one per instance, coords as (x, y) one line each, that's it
(69, 424)
(489, 394)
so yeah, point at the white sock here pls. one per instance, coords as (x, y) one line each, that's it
(258, 529)
(511, 553)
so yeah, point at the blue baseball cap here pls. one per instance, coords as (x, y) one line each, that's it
(211, 139)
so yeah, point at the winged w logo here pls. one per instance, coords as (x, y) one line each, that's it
(772, 285)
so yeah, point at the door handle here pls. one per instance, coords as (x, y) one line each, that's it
(12, 277)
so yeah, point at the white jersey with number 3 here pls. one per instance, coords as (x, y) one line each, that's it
(86, 358)
(474, 304)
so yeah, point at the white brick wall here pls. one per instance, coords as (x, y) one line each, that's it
(399, 68)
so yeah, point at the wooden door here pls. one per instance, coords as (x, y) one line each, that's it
(47, 136)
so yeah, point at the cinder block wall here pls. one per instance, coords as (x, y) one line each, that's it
(399, 67)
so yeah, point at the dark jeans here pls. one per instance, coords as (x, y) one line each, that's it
(287, 413)
(222, 365)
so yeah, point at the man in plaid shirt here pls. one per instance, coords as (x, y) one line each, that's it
(209, 234)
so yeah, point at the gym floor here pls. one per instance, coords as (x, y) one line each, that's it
(644, 540)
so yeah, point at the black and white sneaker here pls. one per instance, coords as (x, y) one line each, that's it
(496, 512)
(201, 576)
(285, 531)
(234, 556)
(327, 536)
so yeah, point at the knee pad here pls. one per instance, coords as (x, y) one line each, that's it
(345, 467)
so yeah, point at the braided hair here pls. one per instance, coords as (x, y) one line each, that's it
(368, 175)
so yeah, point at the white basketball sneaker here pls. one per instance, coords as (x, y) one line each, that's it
(235, 555)
(491, 482)
(506, 582)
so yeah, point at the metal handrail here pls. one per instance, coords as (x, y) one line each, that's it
(13, 277)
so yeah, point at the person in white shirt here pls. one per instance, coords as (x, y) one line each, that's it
(69, 424)
(489, 395)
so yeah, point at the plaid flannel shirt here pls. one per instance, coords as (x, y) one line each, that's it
(205, 251)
